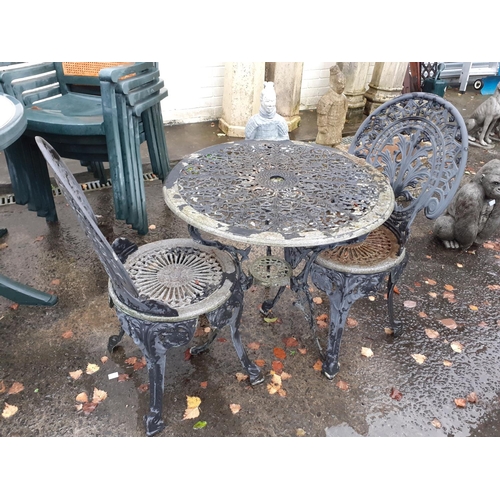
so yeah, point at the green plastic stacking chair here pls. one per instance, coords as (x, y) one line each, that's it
(91, 112)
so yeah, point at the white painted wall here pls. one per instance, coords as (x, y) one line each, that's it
(195, 89)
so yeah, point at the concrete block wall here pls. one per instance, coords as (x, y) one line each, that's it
(195, 89)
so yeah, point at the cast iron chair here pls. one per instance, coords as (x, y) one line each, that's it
(419, 140)
(160, 289)
(92, 112)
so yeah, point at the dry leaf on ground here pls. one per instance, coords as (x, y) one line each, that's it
(351, 322)
(260, 362)
(344, 386)
(76, 374)
(192, 410)
(204, 385)
(450, 288)
(460, 402)
(253, 345)
(285, 376)
(279, 353)
(99, 396)
(472, 397)
(473, 308)
(290, 342)
(409, 304)
(432, 334)
(131, 361)
(430, 282)
(395, 394)
(91, 368)
(447, 363)
(449, 323)
(82, 397)
(422, 314)
(436, 423)
(15, 388)
(275, 385)
(300, 432)
(2, 387)
(457, 346)
(318, 366)
(67, 335)
(277, 366)
(241, 376)
(367, 352)
(9, 410)
(235, 408)
(318, 300)
(419, 358)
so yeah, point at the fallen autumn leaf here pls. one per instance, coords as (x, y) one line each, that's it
(367, 352)
(9, 410)
(235, 408)
(419, 358)
(15, 388)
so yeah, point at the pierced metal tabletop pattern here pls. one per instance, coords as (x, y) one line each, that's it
(177, 276)
(282, 193)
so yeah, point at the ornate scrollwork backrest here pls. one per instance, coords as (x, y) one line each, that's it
(122, 283)
(419, 140)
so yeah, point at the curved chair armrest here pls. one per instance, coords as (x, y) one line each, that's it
(114, 74)
(7, 76)
(149, 102)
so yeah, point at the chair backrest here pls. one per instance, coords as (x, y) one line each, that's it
(82, 76)
(419, 141)
(123, 285)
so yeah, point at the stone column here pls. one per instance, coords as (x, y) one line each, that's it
(386, 84)
(356, 74)
(287, 78)
(243, 83)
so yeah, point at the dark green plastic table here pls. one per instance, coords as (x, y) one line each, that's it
(12, 125)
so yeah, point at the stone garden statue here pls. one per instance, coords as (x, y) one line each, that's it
(267, 125)
(483, 121)
(473, 216)
(332, 110)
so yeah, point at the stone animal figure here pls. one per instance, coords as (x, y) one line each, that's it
(473, 216)
(484, 118)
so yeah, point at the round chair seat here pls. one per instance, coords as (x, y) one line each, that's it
(271, 271)
(377, 253)
(193, 279)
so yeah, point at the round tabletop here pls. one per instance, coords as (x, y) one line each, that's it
(12, 120)
(279, 193)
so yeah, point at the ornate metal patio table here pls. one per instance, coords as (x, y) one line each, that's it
(290, 194)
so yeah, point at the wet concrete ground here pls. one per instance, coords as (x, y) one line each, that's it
(59, 259)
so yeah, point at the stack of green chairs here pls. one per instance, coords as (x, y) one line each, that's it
(94, 113)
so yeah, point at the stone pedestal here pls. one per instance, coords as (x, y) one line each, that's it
(356, 74)
(387, 83)
(243, 84)
(287, 78)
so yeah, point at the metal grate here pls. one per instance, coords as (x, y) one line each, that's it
(10, 199)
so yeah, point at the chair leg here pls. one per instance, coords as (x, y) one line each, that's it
(394, 275)
(230, 313)
(342, 290)
(30, 178)
(154, 339)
